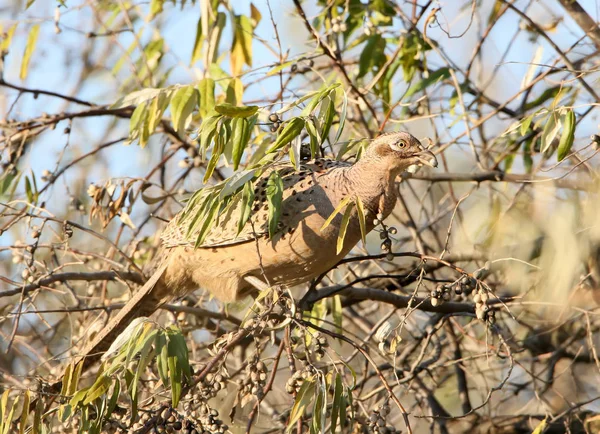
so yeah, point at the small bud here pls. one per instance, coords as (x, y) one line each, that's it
(392, 230)
(273, 117)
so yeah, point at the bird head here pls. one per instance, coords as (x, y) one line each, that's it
(399, 151)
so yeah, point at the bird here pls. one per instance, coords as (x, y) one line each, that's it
(228, 262)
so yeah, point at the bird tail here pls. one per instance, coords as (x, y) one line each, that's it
(145, 301)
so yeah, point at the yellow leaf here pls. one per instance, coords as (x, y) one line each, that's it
(335, 212)
(344, 227)
(31, 41)
(241, 48)
(6, 40)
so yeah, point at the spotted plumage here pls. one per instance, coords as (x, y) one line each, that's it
(297, 184)
(227, 262)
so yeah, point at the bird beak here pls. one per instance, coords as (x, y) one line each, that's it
(427, 158)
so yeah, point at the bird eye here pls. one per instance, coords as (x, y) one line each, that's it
(401, 144)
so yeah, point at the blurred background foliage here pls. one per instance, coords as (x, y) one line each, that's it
(114, 113)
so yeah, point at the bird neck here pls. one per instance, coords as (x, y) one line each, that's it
(374, 183)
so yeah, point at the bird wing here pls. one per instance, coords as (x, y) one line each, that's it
(225, 231)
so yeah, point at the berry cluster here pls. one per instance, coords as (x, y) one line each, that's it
(294, 383)
(276, 120)
(377, 422)
(255, 380)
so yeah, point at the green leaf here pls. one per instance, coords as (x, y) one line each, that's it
(274, 193)
(335, 212)
(342, 122)
(550, 130)
(29, 48)
(303, 398)
(372, 56)
(326, 115)
(280, 67)
(217, 151)
(550, 93)
(99, 388)
(175, 375)
(138, 97)
(235, 111)
(208, 220)
(137, 121)
(292, 128)
(183, 104)
(360, 211)
(317, 412)
(246, 206)
(568, 136)
(344, 227)
(336, 312)
(525, 124)
(112, 403)
(206, 87)
(434, 77)
(197, 50)
(162, 358)
(313, 135)
(66, 379)
(234, 92)
(157, 109)
(337, 396)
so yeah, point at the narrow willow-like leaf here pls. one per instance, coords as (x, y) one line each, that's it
(197, 50)
(29, 48)
(241, 47)
(208, 221)
(206, 87)
(24, 411)
(238, 125)
(318, 97)
(335, 212)
(183, 104)
(245, 206)
(66, 381)
(5, 43)
(326, 115)
(162, 358)
(274, 192)
(525, 124)
(344, 227)
(217, 151)
(99, 388)
(303, 398)
(336, 312)
(236, 111)
(434, 77)
(567, 137)
(343, 114)
(337, 399)
(550, 131)
(289, 132)
(112, 403)
(208, 129)
(311, 129)
(360, 210)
